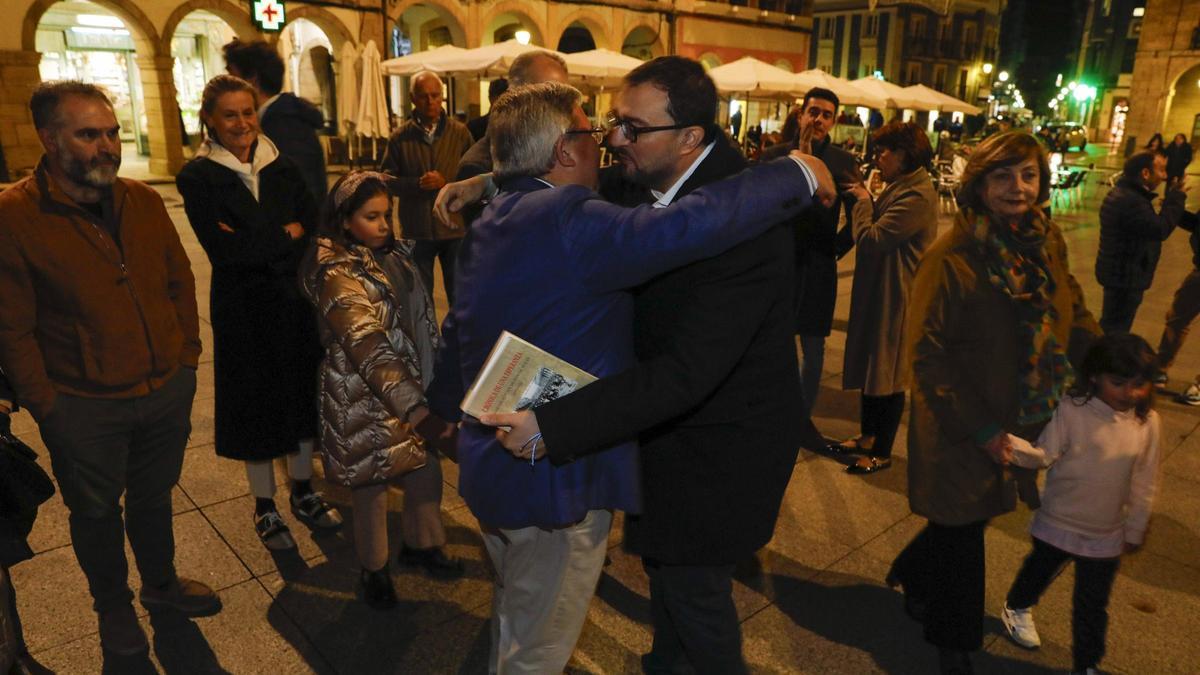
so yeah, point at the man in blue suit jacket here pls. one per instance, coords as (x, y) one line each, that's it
(549, 261)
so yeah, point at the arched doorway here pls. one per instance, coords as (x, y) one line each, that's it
(576, 38)
(512, 25)
(196, 45)
(1183, 107)
(82, 40)
(642, 43)
(308, 65)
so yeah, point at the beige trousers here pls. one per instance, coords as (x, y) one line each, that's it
(545, 580)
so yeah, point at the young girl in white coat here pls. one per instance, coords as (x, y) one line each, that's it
(1102, 450)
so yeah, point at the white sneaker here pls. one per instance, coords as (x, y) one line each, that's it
(1089, 671)
(1191, 396)
(1021, 629)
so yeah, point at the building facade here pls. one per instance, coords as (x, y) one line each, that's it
(943, 44)
(153, 53)
(1105, 62)
(1164, 92)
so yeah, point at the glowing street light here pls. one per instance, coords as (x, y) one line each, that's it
(987, 69)
(1004, 76)
(522, 36)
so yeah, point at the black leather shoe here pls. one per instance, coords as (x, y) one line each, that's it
(376, 589)
(433, 561)
(954, 662)
(869, 464)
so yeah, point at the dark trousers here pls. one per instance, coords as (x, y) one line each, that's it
(1184, 309)
(446, 251)
(943, 567)
(103, 448)
(812, 363)
(1120, 306)
(695, 621)
(881, 418)
(8, 596)
(1089, 612)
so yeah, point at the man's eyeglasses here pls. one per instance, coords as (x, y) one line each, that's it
(597, 133)
(631, 132)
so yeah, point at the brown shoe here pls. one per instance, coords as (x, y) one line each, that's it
(120, 632)
(182, 595)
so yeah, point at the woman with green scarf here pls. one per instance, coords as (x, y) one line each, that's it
(995, 320)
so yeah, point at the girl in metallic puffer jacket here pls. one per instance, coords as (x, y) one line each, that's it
(378, 330)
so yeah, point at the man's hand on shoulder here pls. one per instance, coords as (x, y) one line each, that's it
(826, 190)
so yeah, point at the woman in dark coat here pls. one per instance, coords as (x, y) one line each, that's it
(995, 320)
(253, 215)
(1179, 155)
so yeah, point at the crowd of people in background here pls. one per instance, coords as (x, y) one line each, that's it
(326, 347)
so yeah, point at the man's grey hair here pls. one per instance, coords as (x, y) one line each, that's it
(412, 84)
(518, 72)
(526, 123)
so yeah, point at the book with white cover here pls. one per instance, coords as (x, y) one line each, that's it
(519, 375)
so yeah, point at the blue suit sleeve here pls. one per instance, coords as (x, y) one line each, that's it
(619, 248)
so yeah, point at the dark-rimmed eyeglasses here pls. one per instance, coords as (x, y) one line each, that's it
(631, 132)
(597, 133)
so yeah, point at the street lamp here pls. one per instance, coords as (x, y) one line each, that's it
(1004, 76)
(987, 69)
(522, 36)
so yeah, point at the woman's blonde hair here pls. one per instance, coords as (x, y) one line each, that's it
(997, 152)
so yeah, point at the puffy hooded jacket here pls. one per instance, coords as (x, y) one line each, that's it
(371, 377)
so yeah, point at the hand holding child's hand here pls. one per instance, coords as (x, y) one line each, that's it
(999, 449)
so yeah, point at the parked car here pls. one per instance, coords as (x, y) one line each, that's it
(1066, 136)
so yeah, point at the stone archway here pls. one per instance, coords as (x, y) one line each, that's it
(642, 41)
(155, 68)
(334, 29)
(589, 20)
(1182, 102)
(519, 11)
(453, 18)
(237, 16)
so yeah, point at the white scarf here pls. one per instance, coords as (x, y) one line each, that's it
(264, 153)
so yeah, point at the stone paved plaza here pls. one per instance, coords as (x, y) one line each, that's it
(812, 602)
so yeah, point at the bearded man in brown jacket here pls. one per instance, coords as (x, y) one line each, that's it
(99, 337)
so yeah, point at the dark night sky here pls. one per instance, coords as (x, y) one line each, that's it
(1038, 40)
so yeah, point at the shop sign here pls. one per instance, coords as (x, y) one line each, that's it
(268, 14)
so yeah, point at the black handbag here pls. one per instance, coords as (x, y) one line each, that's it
(24, 486)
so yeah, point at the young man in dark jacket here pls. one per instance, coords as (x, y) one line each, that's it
(818, 244)
(288, 120)
(1131, 237)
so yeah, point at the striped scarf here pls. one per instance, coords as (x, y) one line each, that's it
(1017, 267)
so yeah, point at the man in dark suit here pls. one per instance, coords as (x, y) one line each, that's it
(818, 243)
(289, 121)
(714, 396)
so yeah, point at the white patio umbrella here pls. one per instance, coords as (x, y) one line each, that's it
(432, 59)
(846, 92)
(752, 77)
(600, 67)
(489, 60)
(943, 102)
(894, 95)
(372, 119)
(347, 87)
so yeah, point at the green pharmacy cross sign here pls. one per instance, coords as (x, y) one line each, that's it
(268, 14)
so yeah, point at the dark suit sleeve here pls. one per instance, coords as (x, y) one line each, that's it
(446, 391)
(245, 247)
(707, 344)
(617, 248)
